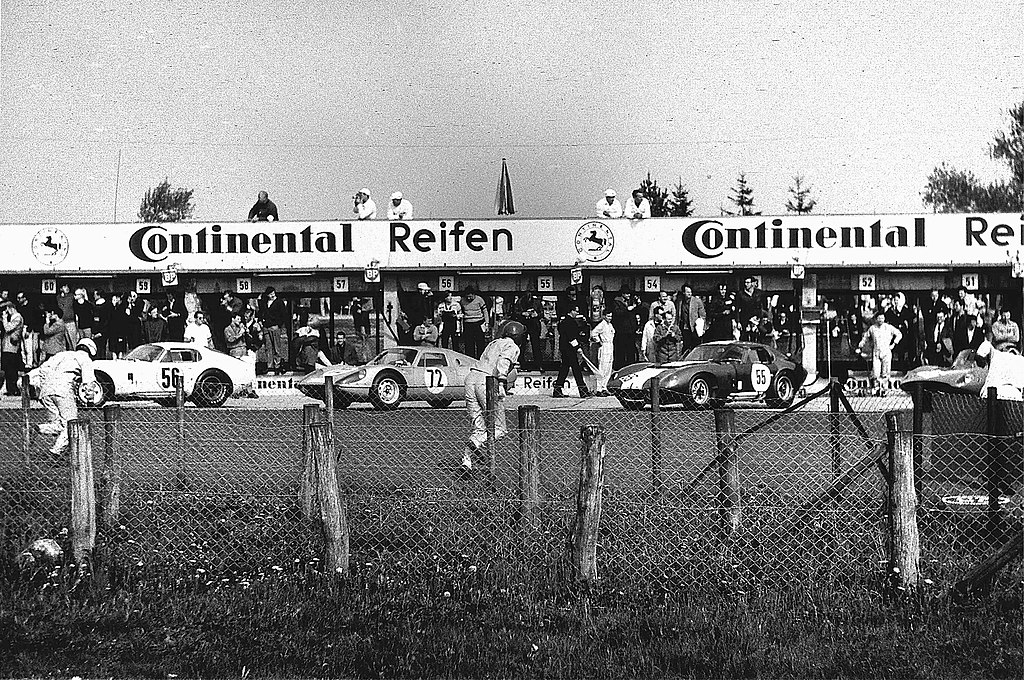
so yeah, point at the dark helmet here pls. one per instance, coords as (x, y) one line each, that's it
(514, 330)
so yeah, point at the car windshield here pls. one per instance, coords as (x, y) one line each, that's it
(395, 356)
(705, 352)
(145, 353)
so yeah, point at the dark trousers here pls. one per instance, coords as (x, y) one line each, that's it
(624, 350)
(536, 346)
(570, 361)
(449, 338)
(473, 339)
(10, 364)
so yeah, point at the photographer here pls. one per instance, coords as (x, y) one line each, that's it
(363, 206)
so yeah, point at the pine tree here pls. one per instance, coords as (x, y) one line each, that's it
(164, 204)
(679, 204)
(800, 201)
(657, 196)
(952, 190)
(742, 198)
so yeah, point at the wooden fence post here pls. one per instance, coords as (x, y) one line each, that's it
(110, 475)
(529, 463)
(334, 519)
(728, 471)
(657, 425)
(83, 493)
(585, 526)
(307, 479)
(904, 540)
(180, 475)
(490, 417)
(26, 415)
(329, 398)
(835, 429)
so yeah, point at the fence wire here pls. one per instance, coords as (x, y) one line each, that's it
(219, 489)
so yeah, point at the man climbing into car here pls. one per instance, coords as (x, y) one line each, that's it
(500, 359)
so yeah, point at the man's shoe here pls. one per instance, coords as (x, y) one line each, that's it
(558, 394)
(467, 459)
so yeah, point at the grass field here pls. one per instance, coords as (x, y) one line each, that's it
(219, 577)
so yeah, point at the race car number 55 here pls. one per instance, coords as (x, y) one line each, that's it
(760, 377)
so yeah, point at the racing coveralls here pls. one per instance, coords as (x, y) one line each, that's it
(499, 359)
(58, 377)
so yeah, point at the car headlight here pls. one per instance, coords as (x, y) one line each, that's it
(353, 377)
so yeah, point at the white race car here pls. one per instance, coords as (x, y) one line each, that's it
(149, 372)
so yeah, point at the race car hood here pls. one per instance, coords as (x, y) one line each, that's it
(317, 377)
(638, 380)
(1005, 372)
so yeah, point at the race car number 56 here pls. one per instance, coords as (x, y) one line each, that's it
(760, 377)
(168, 376)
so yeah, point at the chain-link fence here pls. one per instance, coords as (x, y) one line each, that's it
(692, 499)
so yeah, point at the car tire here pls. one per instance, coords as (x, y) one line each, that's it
(701, 393)
(782, 392)
(440, 403)
(211, 390)
(387, 392)
(106, 385)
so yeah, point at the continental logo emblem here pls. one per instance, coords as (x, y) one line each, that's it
(594, 241)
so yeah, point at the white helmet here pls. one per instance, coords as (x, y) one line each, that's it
(89, 346)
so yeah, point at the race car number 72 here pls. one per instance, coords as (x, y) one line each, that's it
(168, 376)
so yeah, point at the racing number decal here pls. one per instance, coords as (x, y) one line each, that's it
(435, 380)
(168, 376)
(760, 377)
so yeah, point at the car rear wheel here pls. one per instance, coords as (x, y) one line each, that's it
(782, 393)
(701, 394)
(387, 392)
(211, 389)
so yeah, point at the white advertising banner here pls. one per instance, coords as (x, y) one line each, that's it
(815, 241)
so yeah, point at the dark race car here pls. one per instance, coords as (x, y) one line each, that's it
(973, 372)
(712, 373)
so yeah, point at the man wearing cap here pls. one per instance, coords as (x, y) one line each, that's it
(400, 208)
(364, 207)
(639, 208)
(263, 210)
(609, 206)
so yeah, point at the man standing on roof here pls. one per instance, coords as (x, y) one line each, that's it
(400, 208)
(609, 206)
(364, 207)
(263, 210)
(499, 359)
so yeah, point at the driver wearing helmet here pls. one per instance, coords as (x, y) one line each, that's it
(57, 379)
(499, 359)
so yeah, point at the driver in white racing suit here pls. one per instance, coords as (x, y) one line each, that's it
(499, 359)
(58, 378)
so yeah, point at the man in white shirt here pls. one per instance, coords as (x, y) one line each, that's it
(199, 332)
(639, 208)
(609, 206)
(400, 208)
(364, 206)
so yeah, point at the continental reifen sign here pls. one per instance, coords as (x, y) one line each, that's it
(815, 241)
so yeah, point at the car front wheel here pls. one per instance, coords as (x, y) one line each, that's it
(701, 394)
(387, 393)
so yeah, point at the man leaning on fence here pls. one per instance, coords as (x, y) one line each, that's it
(499, 359)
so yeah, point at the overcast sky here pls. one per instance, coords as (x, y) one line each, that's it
(312, 102)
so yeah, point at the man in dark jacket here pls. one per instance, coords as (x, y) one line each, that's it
(102, 312)
(624, 321)
(274, 317)
(529, 310)
(573, 335)
(263, 210)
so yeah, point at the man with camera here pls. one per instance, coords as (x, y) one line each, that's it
(363, 206)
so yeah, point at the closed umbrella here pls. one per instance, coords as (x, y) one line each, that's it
(503, 203)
